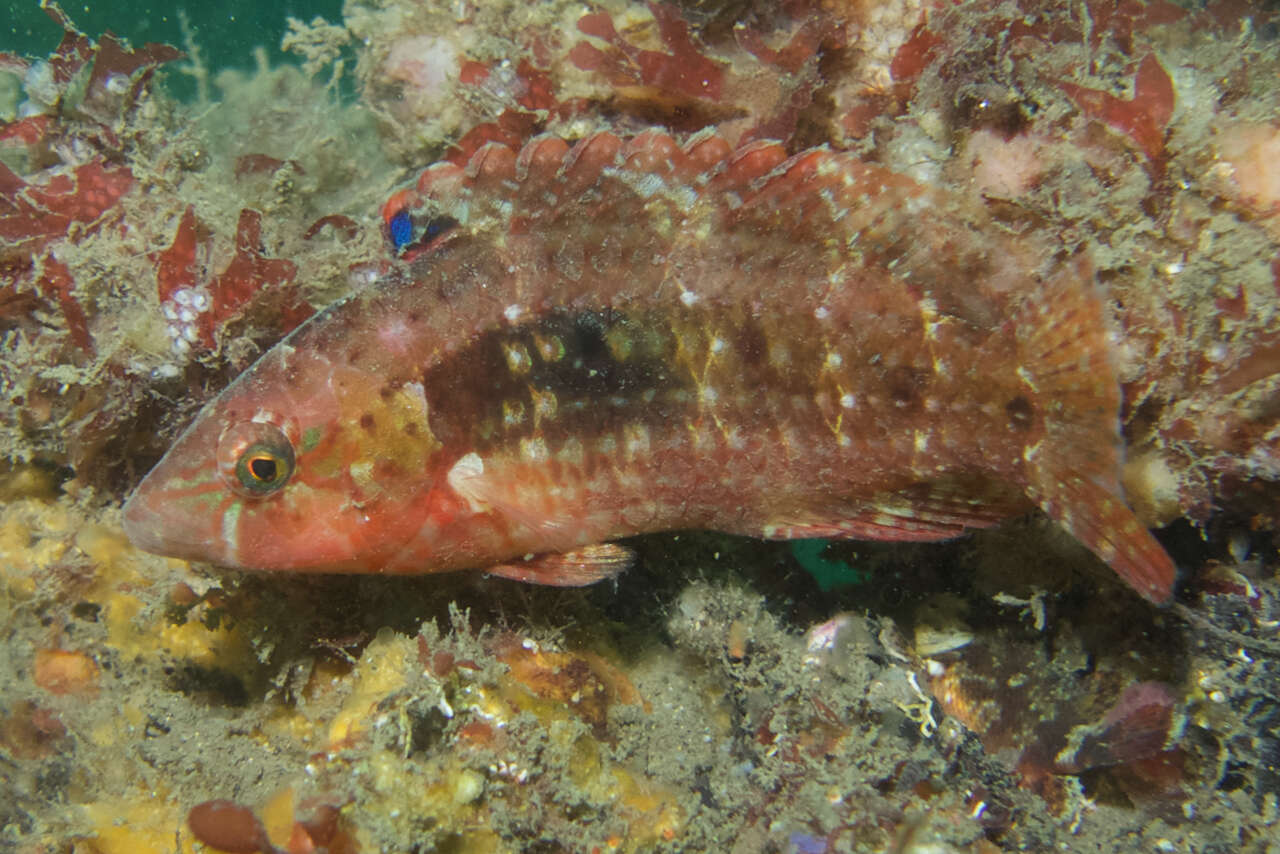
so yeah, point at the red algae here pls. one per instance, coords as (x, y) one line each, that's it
(681, 69)
(1144, 117)
(227, 826)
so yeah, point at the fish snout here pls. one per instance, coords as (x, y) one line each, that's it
(159, 524)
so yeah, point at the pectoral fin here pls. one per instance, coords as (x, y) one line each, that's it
(577, 568)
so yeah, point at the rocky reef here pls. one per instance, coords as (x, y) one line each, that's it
(999, 692)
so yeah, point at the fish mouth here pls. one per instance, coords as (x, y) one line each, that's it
(160, 527)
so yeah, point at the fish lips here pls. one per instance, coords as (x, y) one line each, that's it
(154, 523)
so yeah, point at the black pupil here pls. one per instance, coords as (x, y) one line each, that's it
(263, 468)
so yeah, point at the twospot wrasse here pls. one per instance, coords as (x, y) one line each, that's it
(624, 336)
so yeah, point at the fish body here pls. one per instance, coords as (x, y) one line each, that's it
(627, 336)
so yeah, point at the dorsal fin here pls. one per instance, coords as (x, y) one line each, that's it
(547, 173)
(819, 214)
(756, 187)
(587, 159)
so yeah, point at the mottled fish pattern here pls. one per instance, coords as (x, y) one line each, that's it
(613, 337)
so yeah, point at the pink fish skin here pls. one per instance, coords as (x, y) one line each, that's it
(626, 336)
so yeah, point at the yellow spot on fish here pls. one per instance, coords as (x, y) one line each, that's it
(517, 358)
(533, 450)
(361, 473)
(929, 317)
(544, 405)
(549, 347)
(703, 439)
(512, 413)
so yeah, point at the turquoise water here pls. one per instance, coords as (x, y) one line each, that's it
(226, 32)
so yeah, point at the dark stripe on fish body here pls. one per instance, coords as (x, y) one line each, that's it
(556, 376)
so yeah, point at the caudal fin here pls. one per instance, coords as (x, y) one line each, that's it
(1074, 471)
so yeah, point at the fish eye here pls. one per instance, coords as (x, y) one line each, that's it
(255, 458)
(262, 469)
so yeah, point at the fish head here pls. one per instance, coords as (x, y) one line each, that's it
(301, 464)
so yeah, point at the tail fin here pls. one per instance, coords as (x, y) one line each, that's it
(1074, 472)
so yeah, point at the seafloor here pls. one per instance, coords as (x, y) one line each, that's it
(997, 692)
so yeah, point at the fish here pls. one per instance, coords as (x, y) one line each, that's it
(586, 341)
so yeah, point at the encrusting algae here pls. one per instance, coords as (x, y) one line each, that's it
(561, 278)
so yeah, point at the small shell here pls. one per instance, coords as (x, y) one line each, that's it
(939, 627)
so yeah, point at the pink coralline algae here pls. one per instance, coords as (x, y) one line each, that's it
(82, 177)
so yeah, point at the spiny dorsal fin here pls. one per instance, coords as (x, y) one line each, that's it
(606, 198)
(756, 180)
(817, 195)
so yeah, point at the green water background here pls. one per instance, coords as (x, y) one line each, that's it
(226, 32)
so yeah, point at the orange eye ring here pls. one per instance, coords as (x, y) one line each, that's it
(262, 469)
(255, 459)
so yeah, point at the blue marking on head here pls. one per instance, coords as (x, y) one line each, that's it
(401, 230)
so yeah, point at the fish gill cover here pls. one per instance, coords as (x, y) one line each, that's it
(995, 692)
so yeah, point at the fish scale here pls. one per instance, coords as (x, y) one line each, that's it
(591, 341)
